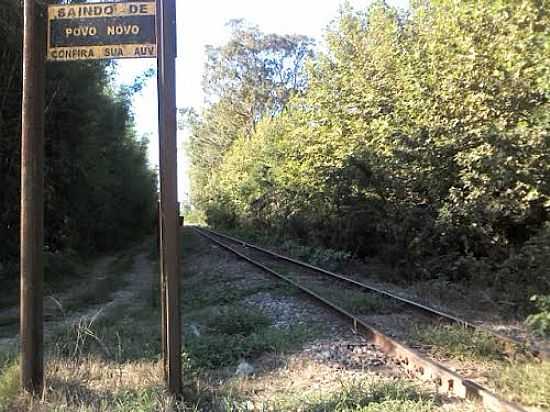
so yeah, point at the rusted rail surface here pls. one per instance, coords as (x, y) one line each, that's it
(446, 380)
(508, 341)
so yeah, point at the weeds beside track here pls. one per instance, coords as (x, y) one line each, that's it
(420, 364)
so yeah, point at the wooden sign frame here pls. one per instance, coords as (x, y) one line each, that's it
(37, 39)
(90, 31)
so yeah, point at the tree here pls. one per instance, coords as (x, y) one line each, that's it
(252, 76)
(99, 189)
(421, 138)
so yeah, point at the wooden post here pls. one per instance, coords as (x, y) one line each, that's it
(166, 54)
(32, 196)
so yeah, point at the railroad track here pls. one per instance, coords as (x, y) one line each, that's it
(510, 344)
(418, 364)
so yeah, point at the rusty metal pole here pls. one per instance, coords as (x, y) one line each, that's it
(163, 330)
(32, 196)
(166, 52)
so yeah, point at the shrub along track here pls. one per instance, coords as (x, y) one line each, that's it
(338, 288)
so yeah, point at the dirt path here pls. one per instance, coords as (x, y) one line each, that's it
(139, 280)
(250, 344)
(73, 306)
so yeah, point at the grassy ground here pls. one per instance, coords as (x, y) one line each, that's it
(101, 289)
(346, 394)
(9, 377)
(362, 396)
(523, 379)
(112, 363)
(355, 301)
(64, 291)
(231, 333)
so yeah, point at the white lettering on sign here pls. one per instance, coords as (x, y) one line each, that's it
(122, 29)
(106, 30)
(75, 11)
(85, 11)
(83, 31)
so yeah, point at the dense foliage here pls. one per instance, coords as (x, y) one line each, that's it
(249, 79)
(99, 190)
(421, 138)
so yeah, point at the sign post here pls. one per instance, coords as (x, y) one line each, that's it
(32, 196)
(88, 31)
(166, 37)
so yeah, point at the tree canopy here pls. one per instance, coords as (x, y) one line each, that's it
(250, 78)
(421, 138)
(99, 189)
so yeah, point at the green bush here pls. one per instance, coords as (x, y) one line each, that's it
(236, 320)
(9, 379)
(58, 266)
(460, 342)
(540, 322)
(528, 266)
(326, 258)
(215, 350)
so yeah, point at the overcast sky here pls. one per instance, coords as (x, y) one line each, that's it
(201, 23)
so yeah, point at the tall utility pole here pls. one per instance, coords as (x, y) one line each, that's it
(166, 54)
(32, 195)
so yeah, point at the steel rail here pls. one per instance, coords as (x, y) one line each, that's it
(446, 380)
(509, 342)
